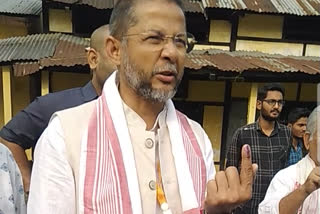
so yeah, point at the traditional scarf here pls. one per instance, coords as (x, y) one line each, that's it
(311, 203)
(108, 176)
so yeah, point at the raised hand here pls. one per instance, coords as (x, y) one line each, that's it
(313, 181)
(229, 189)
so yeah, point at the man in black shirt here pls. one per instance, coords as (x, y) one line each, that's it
(23, 131)
(269, 141)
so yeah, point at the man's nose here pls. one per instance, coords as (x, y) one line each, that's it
(170, 51)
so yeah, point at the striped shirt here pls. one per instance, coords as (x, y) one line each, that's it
(269, 152)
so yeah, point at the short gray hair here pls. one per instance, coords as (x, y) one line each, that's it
(312, 121)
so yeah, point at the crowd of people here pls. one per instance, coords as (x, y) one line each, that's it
(118, 144)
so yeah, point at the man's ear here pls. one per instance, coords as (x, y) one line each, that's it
(92, 58)
(113, 50)
(306, 138)
(259, 105)
(289, 125)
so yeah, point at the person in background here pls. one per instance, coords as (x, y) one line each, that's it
(269, 141)
(23, 130)
(12, 199)
(296, 189)
(297, 122)
(130, 151)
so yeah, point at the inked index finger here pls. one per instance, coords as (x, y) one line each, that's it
(246, 171)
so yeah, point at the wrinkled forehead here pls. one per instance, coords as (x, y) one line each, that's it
(161, 15)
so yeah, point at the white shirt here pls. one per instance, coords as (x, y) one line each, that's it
(51, 174)
(11, 188)
(281, 185)
(53, 179)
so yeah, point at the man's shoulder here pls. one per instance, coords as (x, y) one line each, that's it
(194, 124)
(287, 173)
(247, 131)
(76, 118)
(72, 93)
(283, 127)
(57, 101)
(247, 127)
(85, 108)
(200, 134)
(29, 123)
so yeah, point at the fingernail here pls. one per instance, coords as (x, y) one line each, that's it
(247, 150)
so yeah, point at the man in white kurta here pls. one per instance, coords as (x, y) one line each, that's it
(130, 151)
(57, 165)
(295, 189)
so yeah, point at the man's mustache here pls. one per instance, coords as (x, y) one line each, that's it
(166, 68)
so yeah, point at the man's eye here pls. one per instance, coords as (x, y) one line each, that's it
(154, 39)
(180, 42)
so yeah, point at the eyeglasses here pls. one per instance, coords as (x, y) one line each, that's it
(155, 40)
(273, 102)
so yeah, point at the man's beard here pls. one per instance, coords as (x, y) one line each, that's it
(141, 82)
(265, 116)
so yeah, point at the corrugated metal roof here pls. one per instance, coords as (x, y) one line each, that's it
(192, 6)
(21, 7)
(294, 7)
(99, 4)
(23, 69)
(31, 47)
(38, 46)
(34, 52)
(68, 53)
(239, 61)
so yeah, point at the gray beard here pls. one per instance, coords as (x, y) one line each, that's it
(137, 80)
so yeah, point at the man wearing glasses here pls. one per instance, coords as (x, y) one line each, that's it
(130, 151)
(269, 141)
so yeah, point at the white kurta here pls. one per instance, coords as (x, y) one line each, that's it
(281, 185)
(53, 188)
